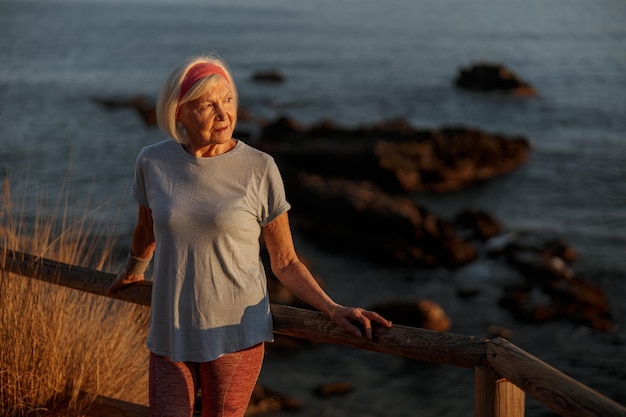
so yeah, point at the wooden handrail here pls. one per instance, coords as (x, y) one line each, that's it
(546, 384)
(72, 276)
(410, 342)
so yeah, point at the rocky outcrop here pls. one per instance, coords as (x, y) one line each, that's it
(360, 220)
(551, 289)
(395, 156)
(349, 187)
(272, 75)
(144, 106)
(488, 77)
(478, 224)
(266, 401)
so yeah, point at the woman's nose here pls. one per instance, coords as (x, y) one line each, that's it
(219, 113)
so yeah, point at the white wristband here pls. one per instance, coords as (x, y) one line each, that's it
(135, 265)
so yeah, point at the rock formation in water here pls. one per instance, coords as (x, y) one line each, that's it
(144, 106)
(271, 75)
(551, 289)
(488, 77)
(395, 156)
(350, 188)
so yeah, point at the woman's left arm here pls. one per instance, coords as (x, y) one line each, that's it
(292, 273)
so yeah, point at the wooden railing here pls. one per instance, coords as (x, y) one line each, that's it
(503, 371)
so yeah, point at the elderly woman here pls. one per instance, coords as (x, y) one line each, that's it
(204, 199)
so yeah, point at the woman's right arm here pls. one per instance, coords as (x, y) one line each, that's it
(142, 249)
(143, 242)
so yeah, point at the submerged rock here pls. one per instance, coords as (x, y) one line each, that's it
(488, 77)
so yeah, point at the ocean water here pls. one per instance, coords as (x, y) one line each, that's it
(353, 62)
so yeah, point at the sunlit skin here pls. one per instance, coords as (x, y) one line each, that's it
(210, 121)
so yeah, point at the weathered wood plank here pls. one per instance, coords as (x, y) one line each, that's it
(548, 385)
(72, 276)
(111, 407)
(408, 342)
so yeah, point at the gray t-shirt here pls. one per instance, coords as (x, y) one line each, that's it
(209, 294)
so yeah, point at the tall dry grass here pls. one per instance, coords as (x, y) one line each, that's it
(56, 344)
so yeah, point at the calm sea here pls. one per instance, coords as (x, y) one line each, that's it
(353, 62)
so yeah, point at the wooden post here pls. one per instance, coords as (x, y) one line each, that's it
(494, 396)
(561, 393)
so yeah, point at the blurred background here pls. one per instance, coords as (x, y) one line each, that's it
(354, 63)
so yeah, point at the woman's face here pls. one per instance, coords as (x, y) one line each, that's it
(210, 119)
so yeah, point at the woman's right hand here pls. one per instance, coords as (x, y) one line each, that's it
(123, 280)
(350, 318)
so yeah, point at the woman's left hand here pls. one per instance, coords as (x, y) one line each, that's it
(349, 317)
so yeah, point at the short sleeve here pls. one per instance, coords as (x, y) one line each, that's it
(273, 201)
(138, 187)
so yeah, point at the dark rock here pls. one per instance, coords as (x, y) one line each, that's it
(487, 77)
(425, 314)
(142, 105)
(331, 389)
(450, 159)
(280, 129)
(360, 220)
(395, 156)
(540, 258)
(480, 223)
(466, 293)
(265, 401)
(272, 75)
(576, 300)
(495, 330)
(552, 290)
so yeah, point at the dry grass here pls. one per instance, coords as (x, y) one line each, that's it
(55, 342)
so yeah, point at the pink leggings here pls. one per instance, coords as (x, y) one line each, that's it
(226, 384)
